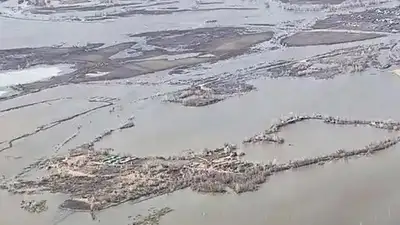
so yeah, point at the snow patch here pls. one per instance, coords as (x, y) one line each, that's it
(397, 72)
(172, 57)
(97, 74)
(206, 56)
(25, 76)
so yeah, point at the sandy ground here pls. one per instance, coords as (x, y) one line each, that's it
(357, 191)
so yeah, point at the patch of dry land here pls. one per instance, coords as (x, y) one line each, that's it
(327, 38)
(379, 19)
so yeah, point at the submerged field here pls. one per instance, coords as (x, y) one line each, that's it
(199, 112)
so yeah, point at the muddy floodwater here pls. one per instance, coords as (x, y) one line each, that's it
(192, 112)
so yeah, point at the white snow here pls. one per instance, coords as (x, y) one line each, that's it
(397, 72)
(97, 74)
(172, 57)
(5, 91)
(206, 56)
(9, 78)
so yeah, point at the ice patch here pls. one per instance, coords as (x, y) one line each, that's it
(206, 56)
(9, 78)
(97, 74)
(173, 57)
(397, 72)
(3, 93)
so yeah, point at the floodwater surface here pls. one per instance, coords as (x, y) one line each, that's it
(40, 119)
(353, 187)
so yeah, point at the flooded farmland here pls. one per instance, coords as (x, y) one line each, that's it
(199, 112)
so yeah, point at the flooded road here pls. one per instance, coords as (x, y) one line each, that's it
(105, 102)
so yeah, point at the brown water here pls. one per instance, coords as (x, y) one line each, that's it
(361, 191)
(176, 128)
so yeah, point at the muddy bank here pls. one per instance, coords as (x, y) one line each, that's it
(130, 12)
(333, 63)
(33, 206)
(332, 2)
(71, 7)
(99, 101)
(326, 38)
(269, 135)
(98, 179)
(218, 41)
(204, 92)
(161, 50)
(329, 5)
(380, 19)
(153, 218)
(15, 59)
(394, 54)
(92, 175)
(90, 11)
(215, 88)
